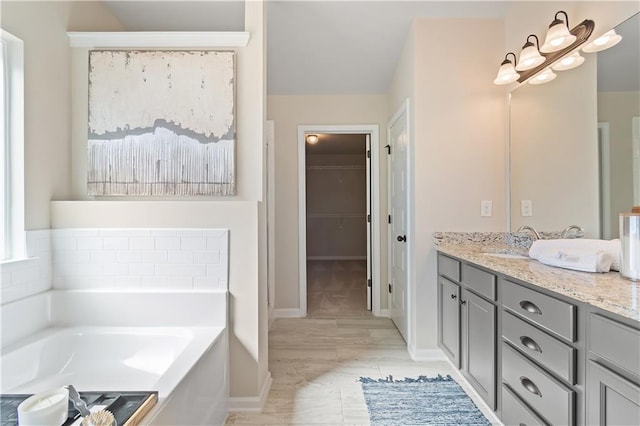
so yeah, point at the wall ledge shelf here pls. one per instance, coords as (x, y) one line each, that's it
(159, 39)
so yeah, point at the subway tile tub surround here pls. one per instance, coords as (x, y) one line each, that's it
(140, 258)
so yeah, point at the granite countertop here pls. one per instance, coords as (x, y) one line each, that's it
(608, 291)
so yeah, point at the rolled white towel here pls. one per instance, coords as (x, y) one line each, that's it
(612, 247)
(578, 259)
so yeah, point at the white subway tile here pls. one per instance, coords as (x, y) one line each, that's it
(102, 282)
(163, 243)
(193, 270)
(209, 256)
(142, 243)
(71, 256)
(141, 269)
(180, 282)
(205, 283)
(166, 270)
(65, 269)
(10, 294)
(164, 233)
(128, 282)
(89, 243)
(25, 275)
(64, 243)
(215, 233)
(189, 233)
(84, 232)
(156, 256)
(125, 233)
(129, 256)
(179, 256)
(116, 269)
(44, 245)
(213, 270)
(89, 270)
(154, 282)
(214, 244)
(116, 243)
(193, 244)
(102, 256)
(5, 277)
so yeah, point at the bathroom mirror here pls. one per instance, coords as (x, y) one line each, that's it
(572, 149)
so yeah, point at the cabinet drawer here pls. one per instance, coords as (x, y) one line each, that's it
(514, 412)
(550, 398)
(616, 342)
(449, 267)
(480, 281)
(539, 346)
(550, 313)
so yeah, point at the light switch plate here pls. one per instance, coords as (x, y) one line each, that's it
(526, 208)
(485, 208)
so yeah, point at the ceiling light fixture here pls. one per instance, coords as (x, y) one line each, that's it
(605, 41)
(568, 62)
(507, 72)
(312, 139)
(558, 36)
(530, 56)
(544, 77)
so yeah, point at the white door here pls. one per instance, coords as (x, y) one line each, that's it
(398, 135)
(369, 222)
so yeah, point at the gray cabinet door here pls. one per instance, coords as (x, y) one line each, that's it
(450, 319)
(611, 399)
(479, 345)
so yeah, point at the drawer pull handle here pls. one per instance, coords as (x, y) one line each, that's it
(530, 343)
(454, 296)
(530, 386)
(530, 307)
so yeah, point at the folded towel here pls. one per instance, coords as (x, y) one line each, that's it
(612, 247)
(585, 260)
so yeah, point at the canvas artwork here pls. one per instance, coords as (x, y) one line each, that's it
(161, 123)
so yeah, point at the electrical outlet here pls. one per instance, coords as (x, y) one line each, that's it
(526, 208)
(485, 208)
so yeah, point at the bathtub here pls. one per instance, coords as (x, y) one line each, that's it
(185, 364)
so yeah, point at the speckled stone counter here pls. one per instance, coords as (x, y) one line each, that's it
(607, 291)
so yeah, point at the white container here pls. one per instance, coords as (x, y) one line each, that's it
(630, 240)
(50, 408)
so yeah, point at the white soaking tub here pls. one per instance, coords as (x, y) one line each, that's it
(185, 364)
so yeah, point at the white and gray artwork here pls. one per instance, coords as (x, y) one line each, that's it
(161, 123)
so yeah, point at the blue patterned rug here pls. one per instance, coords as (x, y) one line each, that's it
(422, 401)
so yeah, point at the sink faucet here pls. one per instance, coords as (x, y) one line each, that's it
(578, 234)
(528, 228)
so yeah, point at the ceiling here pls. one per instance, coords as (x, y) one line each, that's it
(329, 47)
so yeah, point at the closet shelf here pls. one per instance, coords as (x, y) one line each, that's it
(336, 167)
(335, 215)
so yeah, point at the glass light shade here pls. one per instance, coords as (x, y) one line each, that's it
(529, 58)
(544, 77)
(312, 139)
(605, 41)
(506, 74)
(568, 62)
(558, 37)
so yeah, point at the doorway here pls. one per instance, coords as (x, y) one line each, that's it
(338, 221)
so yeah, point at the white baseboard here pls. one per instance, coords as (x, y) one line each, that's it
(426, 354)
(336, 257)
(475, 397)
(288, 313)
(251, 404)
(383, 313)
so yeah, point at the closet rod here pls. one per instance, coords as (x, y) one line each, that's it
(336, 167)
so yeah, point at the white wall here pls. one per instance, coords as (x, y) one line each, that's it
(458, 144)
(42, 25)
(289, 112)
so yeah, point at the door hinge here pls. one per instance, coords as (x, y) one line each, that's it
(389, 287)
(388, 149)
(368, 154)
(368, 218)
(389, 218)
(369, 283)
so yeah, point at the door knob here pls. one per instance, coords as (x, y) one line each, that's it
(402, 238)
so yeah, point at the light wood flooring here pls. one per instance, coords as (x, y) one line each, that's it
(315, 362)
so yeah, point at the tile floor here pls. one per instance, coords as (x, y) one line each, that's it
(315, 362)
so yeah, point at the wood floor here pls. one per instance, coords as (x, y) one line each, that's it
(315, 362)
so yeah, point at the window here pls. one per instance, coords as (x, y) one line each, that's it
(12, 244)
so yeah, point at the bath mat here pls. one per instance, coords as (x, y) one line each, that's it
(423, 401)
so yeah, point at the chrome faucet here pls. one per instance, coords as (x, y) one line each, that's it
(578, 234)
(528, 228)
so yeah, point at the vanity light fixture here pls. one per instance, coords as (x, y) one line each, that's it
(605, 41)
(312, 139)
(544, 77)
(568, 62)
(558, 36)
(530, 56)
(507, 72)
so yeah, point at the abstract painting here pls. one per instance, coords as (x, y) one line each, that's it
(161, 123)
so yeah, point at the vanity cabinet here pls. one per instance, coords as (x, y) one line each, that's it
(467, 326)
(613, 371)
